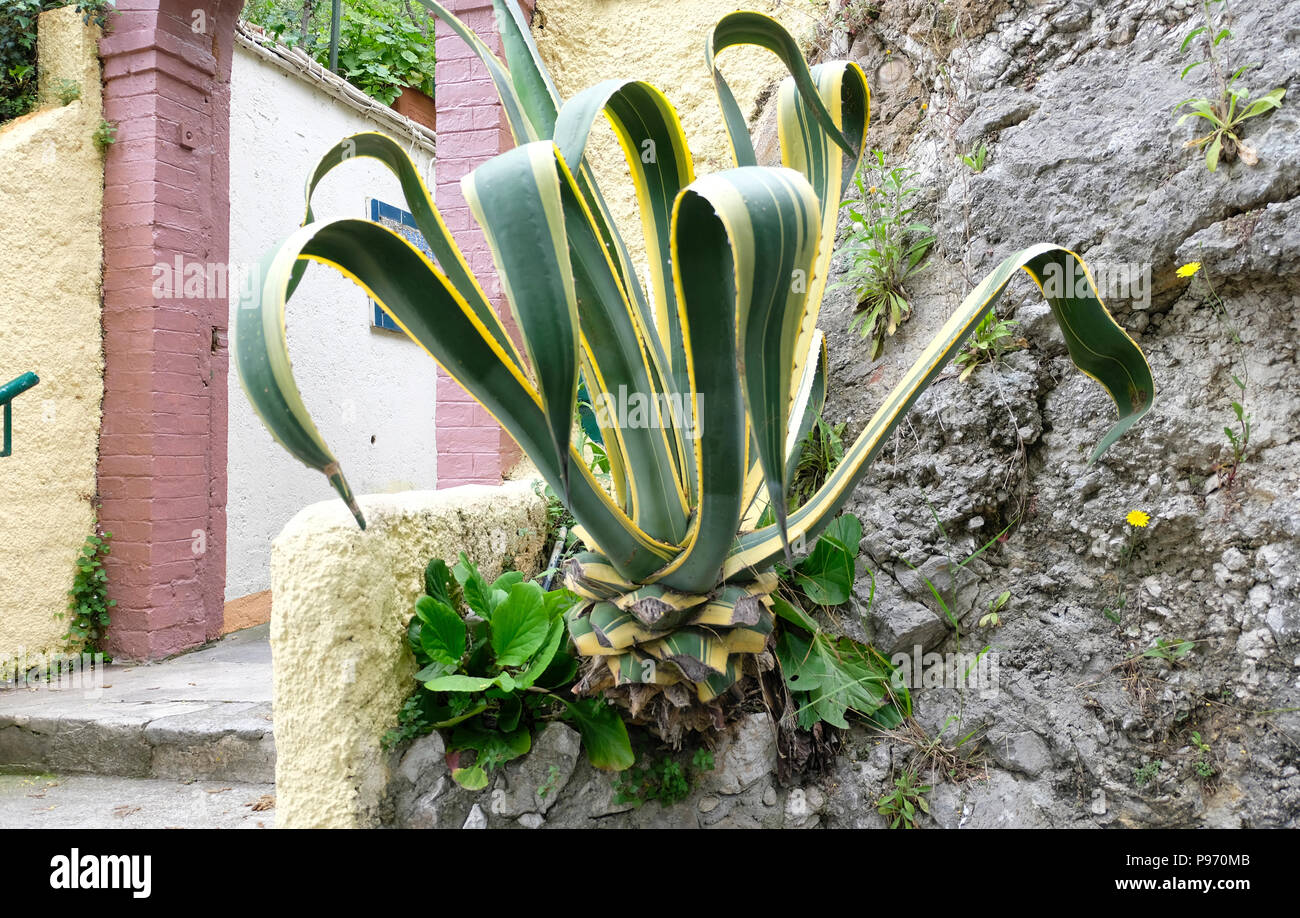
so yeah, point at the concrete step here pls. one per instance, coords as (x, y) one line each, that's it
(203, 715)
(111, 802)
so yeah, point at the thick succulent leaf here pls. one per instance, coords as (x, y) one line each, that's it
(617, 365)
(810, 398)
(736, 605)
(428, 221)
(769, 319)
(659, 160)
(537, 94)
(530, 100)
(423, 302)
(1097, 345)
(607, 630)
(744, 28)
(516, 199)
(591, 576)
(738, 237)
(808, 148)
(521, 126)
(709, 284)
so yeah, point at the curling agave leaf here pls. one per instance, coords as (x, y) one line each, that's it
(676, 582)
(1096, 343)
(655, 148)
(424, 304)
(516, 198)
(745, 28)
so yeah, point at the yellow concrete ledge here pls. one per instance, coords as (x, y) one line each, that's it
(342, 600)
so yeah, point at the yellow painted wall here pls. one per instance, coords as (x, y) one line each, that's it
(343, 598)
(51, 194)
(662, 41)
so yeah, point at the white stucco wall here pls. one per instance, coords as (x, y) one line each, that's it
(370, 391)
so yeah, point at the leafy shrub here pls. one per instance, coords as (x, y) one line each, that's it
(1231, 105)
(18, 20)
(901, 805)
(382, 47)
(665, 780)
(494, 662)
(993, 337)
(820, 453)
(88, 601)
(885, 248)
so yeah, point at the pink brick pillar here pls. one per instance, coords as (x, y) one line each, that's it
(162, 451)
(472, 448)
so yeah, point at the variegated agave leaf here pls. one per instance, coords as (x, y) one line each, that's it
(677, 575)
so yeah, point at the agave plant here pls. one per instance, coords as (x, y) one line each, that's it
(706, 379)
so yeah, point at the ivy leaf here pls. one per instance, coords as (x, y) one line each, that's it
(442, 633)
(791, 613)
(604, 736)
(519, 625)
(832, 677)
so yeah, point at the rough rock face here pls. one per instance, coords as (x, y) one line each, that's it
(1074, 101)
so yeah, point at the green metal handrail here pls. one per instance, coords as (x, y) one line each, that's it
(8, 391)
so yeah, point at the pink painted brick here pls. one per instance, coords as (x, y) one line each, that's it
(452, 466)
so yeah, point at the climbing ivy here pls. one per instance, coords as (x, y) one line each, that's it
(88, 601)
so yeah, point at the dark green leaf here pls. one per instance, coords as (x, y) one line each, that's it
(604, 735)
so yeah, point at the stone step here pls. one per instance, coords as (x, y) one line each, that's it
(112, 802)
(203, 715)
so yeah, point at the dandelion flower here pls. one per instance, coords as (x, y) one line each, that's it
(1189, 269)
(924, 106)
(871, 190)
(1138, 518)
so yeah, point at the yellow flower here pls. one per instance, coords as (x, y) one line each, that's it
(1138, 518)
(871, 190)
(924, 106)
(888, 51)
(1189, 269)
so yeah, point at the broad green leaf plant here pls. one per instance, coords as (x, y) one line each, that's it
(493, 664)
(722, 343)
(1232, 105)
